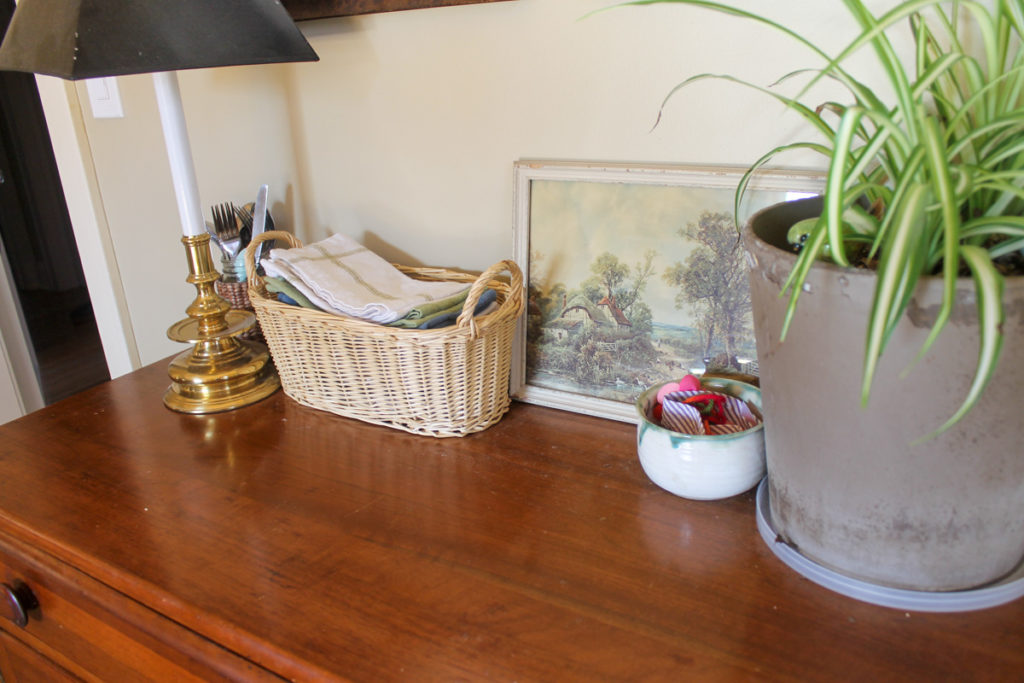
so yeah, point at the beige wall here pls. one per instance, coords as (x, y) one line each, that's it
(404, 134)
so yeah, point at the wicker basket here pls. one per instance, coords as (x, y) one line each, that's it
(237, 294)
(445, 382)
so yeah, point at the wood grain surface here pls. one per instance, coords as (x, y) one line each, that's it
(318, 547)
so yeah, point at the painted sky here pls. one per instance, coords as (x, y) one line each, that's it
(574, 222)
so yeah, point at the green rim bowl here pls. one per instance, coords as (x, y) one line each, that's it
(697, 466)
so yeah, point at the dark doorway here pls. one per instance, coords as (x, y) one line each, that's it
(40, 244)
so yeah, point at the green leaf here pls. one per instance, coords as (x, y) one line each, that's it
(807, 113)
(907, 179)
(794, 283)
(988, 288)
(902, 246)
(926, 166)
(835, 183)
(942, 187)
(752, 171)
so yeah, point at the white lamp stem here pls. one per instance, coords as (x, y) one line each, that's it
(179, 153)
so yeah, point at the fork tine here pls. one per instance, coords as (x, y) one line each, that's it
(218, 220)
(228, 217)
(225, 225)
(244, 216)
(235, 217)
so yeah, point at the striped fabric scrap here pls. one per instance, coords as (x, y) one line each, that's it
(681, 417)
(686, 418)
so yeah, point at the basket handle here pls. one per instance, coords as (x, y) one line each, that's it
(466, 318)
(250, 251)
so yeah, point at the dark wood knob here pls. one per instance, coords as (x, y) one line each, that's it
(16, 601)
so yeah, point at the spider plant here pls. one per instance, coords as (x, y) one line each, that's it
(929, 183)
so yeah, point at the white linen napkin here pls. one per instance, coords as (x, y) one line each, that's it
(342, 276)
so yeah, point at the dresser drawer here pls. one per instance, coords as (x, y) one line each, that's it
(85, 628)
(21, 664)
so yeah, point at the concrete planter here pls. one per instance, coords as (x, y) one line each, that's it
(847, 488)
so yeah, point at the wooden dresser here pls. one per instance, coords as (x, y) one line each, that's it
(279, 542)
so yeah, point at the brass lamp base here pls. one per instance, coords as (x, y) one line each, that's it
(220, 372)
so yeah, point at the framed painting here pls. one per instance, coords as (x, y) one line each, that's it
(320, 9)
(635, 276)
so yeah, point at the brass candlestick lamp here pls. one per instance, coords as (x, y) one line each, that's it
(76, 39)
(221, 371)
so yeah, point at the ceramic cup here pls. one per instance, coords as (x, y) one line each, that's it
(696, 466)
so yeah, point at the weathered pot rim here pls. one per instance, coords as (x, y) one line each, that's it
(811, 207)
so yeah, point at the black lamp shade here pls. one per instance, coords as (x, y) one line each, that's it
(92, 38)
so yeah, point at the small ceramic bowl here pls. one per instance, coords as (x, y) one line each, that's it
(697, 466)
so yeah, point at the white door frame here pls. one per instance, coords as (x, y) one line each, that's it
(20, 392)
(72, 152)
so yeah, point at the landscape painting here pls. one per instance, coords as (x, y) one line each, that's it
(635, 276)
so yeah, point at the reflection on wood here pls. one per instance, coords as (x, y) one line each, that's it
(314, 547)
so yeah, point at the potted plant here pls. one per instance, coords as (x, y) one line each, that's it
(890, 335)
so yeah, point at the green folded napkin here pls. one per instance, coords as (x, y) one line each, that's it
(447, 316)
(279, 285)
(432, 308)
(411, 323)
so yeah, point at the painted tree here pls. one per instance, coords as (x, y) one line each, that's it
(618, 281)
(713, 281)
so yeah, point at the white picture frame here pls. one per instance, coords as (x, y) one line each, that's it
(582, 228)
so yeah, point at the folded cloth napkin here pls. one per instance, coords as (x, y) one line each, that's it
(341, 276)
(448, 316)
(432, 308)
(286, 293)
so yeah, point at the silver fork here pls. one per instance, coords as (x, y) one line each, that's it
(215, 238)
(244, 226)
(244, 215)
(226, 227)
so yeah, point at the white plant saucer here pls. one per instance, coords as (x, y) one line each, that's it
(1001, 592)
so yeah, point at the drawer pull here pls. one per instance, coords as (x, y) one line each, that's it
(16, 601)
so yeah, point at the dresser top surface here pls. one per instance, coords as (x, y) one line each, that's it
(535, 550)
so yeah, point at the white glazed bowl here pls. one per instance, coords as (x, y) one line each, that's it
(696, 466)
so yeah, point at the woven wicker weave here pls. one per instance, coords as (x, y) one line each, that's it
(444, 382)
(237, 294)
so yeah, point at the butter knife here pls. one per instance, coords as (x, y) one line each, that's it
(259, 218)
